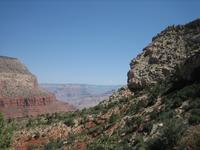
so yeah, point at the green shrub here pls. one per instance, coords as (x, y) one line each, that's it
(71, 138)
(151, 101)
(112, 104)
(191, 91)
(93, 110)
(166, 115)
(131, 125)
(131, 110)
(170, 135)
(139, 142)
(176, 102)
(6, 133)
(97, 129)
(194, 117)
(69, 121)
(176, 98)
(113, 118)
(141, 104)
(154, 115)
(148, 127)
(54, 145)
(106, 142)
(157, 89)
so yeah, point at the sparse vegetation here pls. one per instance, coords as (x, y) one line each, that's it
(6, 133)
(113, 118)
(170, 135)
(53, 144)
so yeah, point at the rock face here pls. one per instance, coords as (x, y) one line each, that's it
(164, 54)
(19, 92)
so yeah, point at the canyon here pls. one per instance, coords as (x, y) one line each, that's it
(20, 94)
(81, 95)
(159, 108)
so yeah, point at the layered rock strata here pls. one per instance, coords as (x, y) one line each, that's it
(19, 92)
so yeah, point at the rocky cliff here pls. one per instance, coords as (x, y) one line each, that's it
(164, 54)
(19, 92)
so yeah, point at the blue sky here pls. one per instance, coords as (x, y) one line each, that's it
(85, 41)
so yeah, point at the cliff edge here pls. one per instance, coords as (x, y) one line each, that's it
(19, 92)
(167, 51)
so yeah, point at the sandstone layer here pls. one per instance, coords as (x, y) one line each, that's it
(19, 92)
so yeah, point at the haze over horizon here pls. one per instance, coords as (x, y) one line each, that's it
(88, 41)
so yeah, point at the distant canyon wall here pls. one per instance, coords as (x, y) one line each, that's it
(20, 95)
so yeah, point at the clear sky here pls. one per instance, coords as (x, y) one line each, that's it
(85, 41)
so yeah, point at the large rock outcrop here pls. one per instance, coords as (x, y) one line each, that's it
(19, 92)
(171, 48)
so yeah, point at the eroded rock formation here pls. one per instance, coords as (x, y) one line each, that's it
(161, 57)
(19, 92)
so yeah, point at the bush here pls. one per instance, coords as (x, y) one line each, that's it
(113, 118)
(190, 91)
(140, 145)
(155, 91)
(177, 102)
(132, 124)
(71, 138)
(112, 104)
(170, 135)
(106, 142)
(141, 104)
(151, 101)
(97, 130)
(69, 121)
(131, 110)
(175, 99)
(166, 115)
(147, 127)
(6, 133)
(194, 117)
(154, 115)
(53, 144)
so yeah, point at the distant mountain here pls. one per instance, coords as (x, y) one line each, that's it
(20, 95)
(81, 95)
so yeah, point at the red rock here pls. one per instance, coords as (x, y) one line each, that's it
(20, 95)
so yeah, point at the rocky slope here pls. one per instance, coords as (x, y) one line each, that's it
(161, 111)
(168, 50)
(81, 95)
(19, 92)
